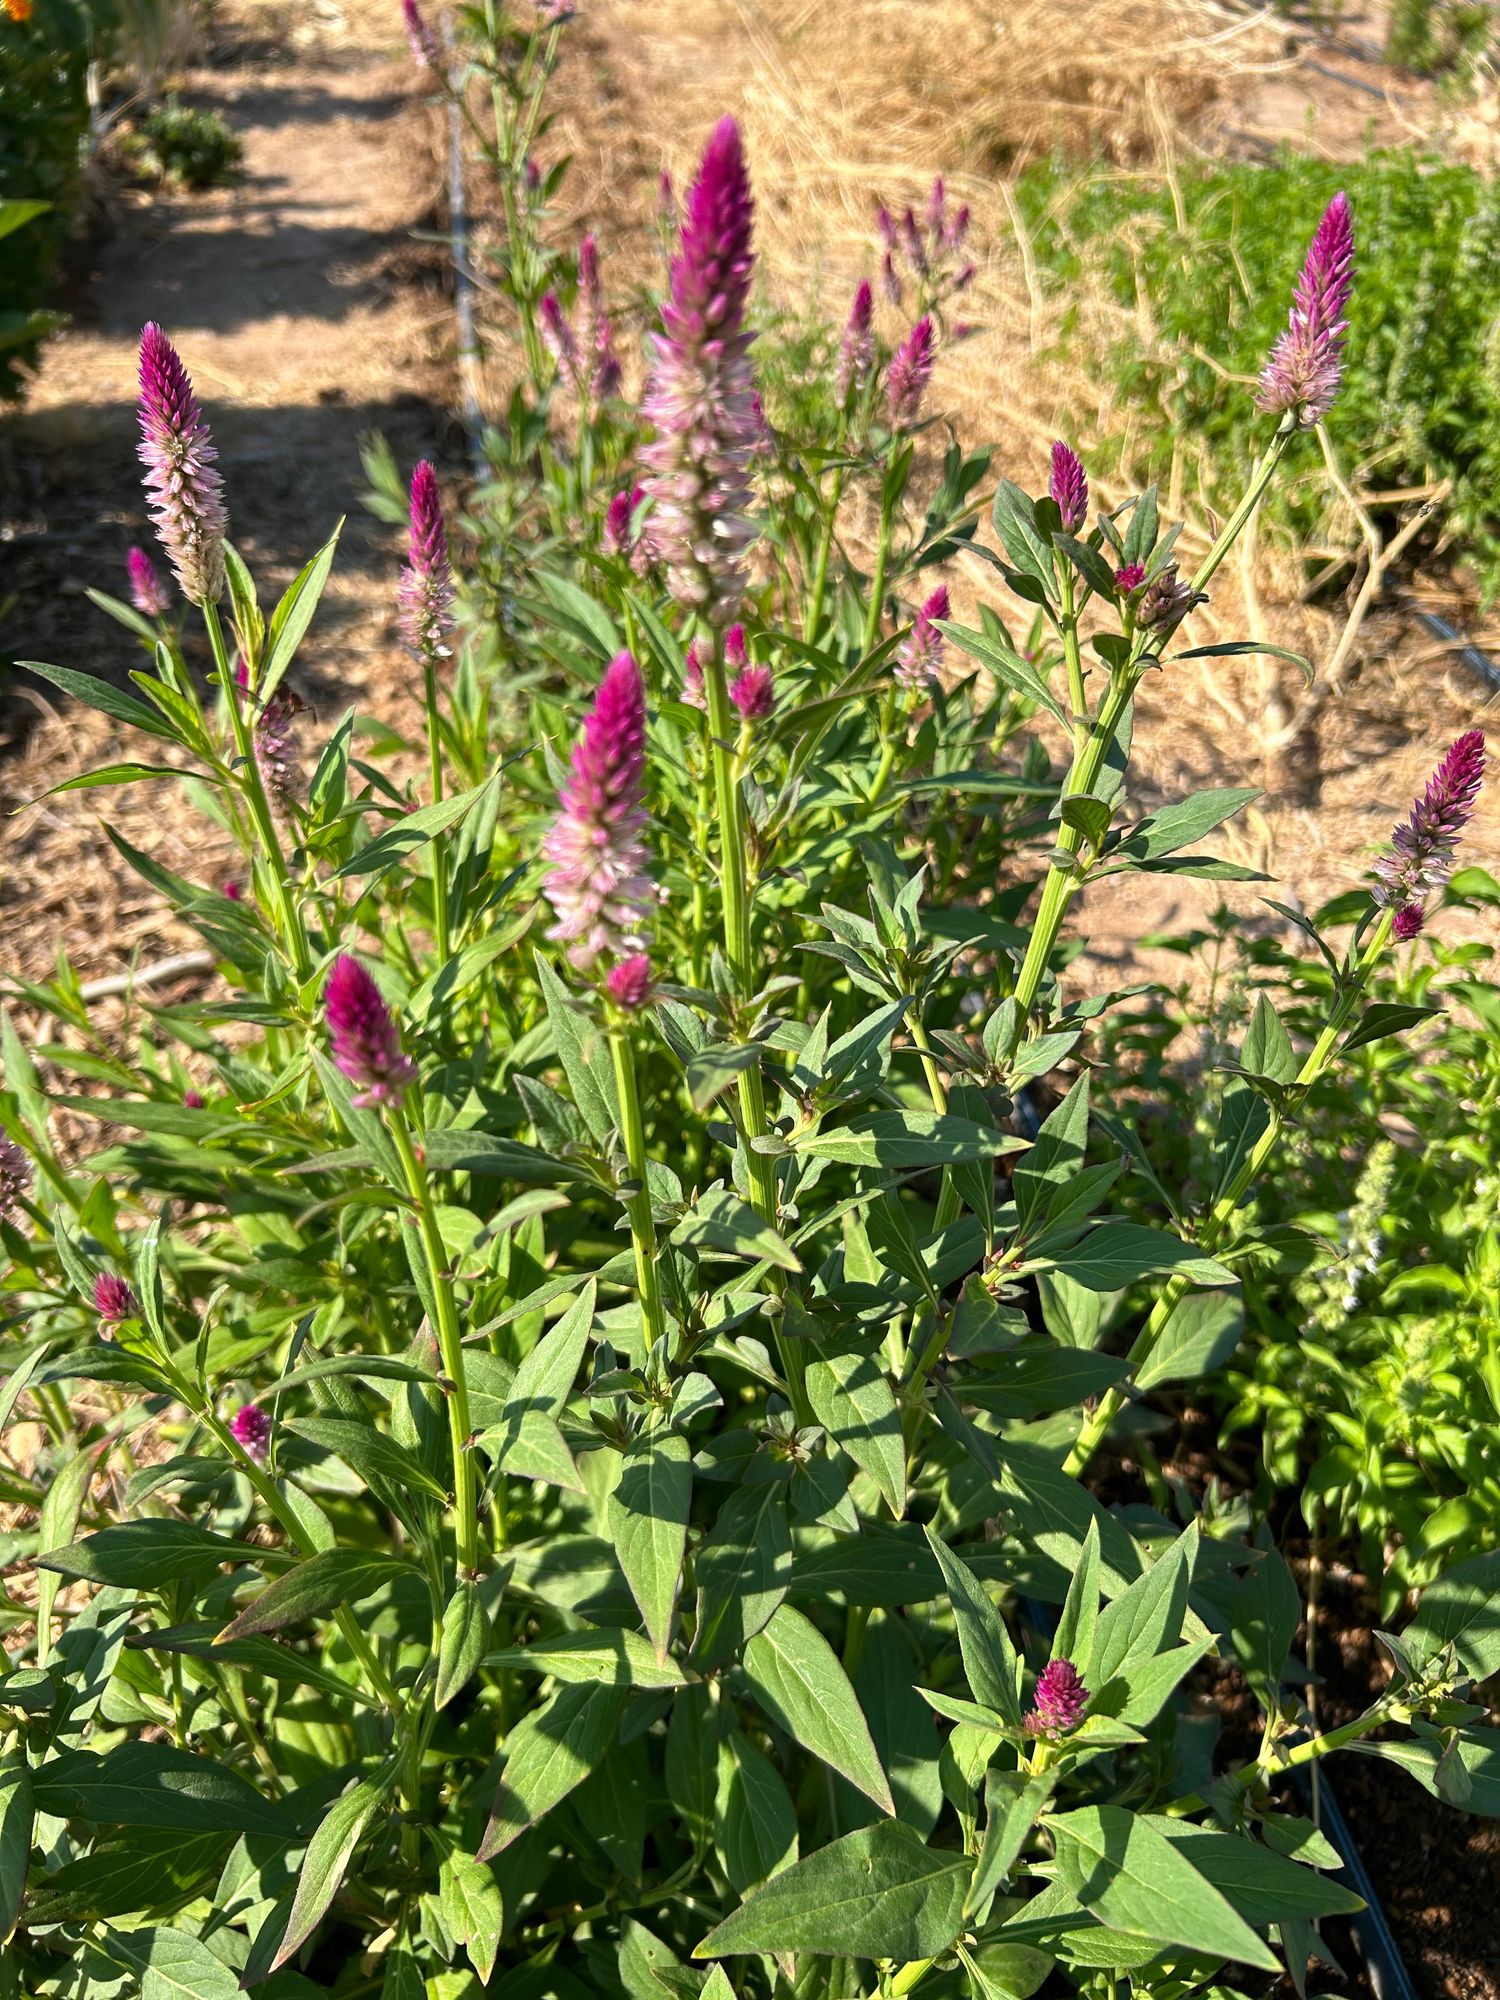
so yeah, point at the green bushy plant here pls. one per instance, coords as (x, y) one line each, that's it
(189, 144)
(1198, 257)
(1435, 37)
(567, 1361)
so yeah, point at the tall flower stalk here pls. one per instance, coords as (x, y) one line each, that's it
(425, 599)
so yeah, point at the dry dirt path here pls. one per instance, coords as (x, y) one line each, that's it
(308, 316)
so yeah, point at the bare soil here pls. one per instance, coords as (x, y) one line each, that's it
(310, 312)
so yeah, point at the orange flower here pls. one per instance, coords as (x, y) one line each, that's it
(18, 10)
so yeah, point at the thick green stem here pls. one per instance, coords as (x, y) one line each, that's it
(814, 616)
(876, 604)
(440, 922)
(288, 914)
(1260, 479)
(638, 1207)
(1072, 656)
(450, 1345)
(1098, 1422)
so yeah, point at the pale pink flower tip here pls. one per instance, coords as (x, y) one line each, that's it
(753, 693)
(693, 692)
(1069, 487)
(364, 1037)
(598, 881)
(425, 593)
(113, 1299)
(251, 1426)
(424, 43)
(182, 477)
(1061, 1698)
(1306, 366)
(148, 593)
(857, 349)
(909, 373)
(1424, 844)
(629, 982)
(921, 652)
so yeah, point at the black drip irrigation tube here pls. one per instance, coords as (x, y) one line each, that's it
(1372, 1931)
(1476, 661)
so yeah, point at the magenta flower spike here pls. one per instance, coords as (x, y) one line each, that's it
(251, 1428)
(620, 537)
(1061, 1698)
(1168, 600)
(753, 693)
(1424, 844)
(1069, 487)
(15, 1176)
(596, 340)
(1306, 366)
(424, 595)
(425, 51)
(364, 1037)
(113, 1299)
(629, 983)
(857, 349)
(700, 396)
(561, 345)
(182, 478)
(890, 280)
(193, 1100)
(921, 652)
(736, 652)
(957, 229)
(937, 208)
(1130, 577)
(148, 593)
(597, 882)
(909, 373)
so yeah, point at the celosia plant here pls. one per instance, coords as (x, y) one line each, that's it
(607, 1358)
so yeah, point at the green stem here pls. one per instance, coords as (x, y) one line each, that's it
(1098, 1422)
(1260, 479)
(1072, 656)
(638, 1207)
(439, 846)
(876, 604)
(450, 1345)
(289, 916)
(814, 616)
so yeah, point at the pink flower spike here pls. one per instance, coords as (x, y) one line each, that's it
(425, 593)
(857, 349)
(1424, 844)
(364, 1037)
(921, 652)
(1130, 578)
(251, 1428)
(700, 398)
(693, 692)
(113, 1299)
(629, 982)
(910, 370)
(234, 892)
(1406, 923)
(15, 1176)
(275, 744)
(182, 477)
(753, 694)
(736, 653)
(560, 344)
(425, 51)
(890, 280)
(1069, 487)
(193, 1100)
(598, 882)
(147, 591)
(1306, 366)
(1061, 1698)
(937, 205)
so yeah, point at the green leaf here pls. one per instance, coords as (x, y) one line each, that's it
(852, 1399)
(754, 1819)
(1174, 826)
(992, 1666)
(465, 1633)
(1006, 665)
(120, 774)
(551, 1750)
(322, 1583)
(583, 1051)
(1198, 1338)
(374, 1455)
(104, 696)
(1461, 1609)
(144, 1555)
(1074, 1638)
(1115, 1254)
(257, 1656)
(1013, 1801)
(1146, 1618)
(648, 1517)
(743, 1571)
(293, 615)
(471, 1907)
(713, 1069)
(719, 1220)
(796, 1678)
(904, 1139)
(142, 1871)
(880, 1892)
(1134, 1879)
(1265, 1888)
(597, 1655)
(16, 1816)
(1383, 1018)
(150, 1784)
(169, 1964)
(1138, 1694)
(1228, 648)
(328, 1855)
(413, 830)
(1263, 1622)
(1266, 1050)
(1056, 1157)
(1428, 1760)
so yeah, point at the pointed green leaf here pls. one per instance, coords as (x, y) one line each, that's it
(550, 1751)
(648, 1517)
(852, 1399)
(797, 1679)
(991, 1663)
(328, 1855)
(755, 1823)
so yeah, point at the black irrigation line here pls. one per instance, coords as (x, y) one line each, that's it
(1371, 1928)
